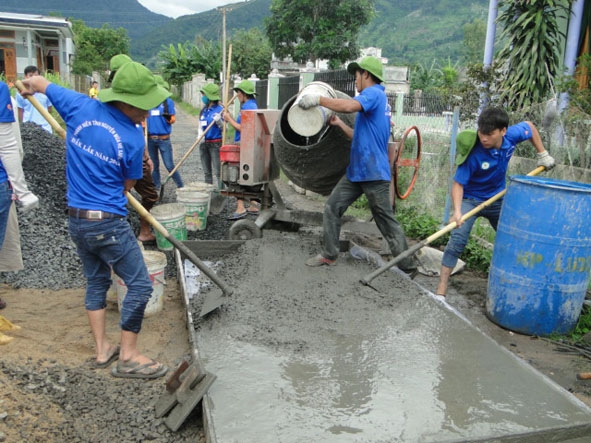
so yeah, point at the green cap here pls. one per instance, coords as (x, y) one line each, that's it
(245, 86)
(211, 91)
(116, 62)
(369, 64)
(465, 141)
(135, 85)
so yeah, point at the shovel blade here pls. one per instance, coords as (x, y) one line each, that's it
(218, 203)
(211, 301)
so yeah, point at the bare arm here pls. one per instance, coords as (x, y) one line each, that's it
(128, 184)
(35, 84)
(536, 140)
(341, 104)
(347, 130)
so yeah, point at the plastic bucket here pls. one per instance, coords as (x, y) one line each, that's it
(542, 256)
(172, 217)
(156, 264)
(309, 122)
(196, 205)
(207, 188)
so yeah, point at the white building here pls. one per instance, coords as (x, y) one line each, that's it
(26, 39)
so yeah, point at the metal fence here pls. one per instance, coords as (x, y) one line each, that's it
(262, 87)
(288, 87)
(340, 80)
(426, 105)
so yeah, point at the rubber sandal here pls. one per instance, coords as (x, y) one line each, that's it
(114, 356)
(132, 369)
(237, 216)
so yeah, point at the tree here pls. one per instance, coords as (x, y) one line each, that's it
(313, 29)
(184, 60)
(472, 48)
(530, 28)
(251, 53)
(96, 46)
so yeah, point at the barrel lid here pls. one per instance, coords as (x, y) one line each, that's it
(564, 185)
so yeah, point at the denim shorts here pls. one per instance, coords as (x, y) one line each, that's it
(110, 244)
(5, 202)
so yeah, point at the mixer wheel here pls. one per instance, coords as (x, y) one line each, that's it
(245, 229)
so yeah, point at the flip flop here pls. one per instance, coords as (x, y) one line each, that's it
(132, 369)
(237, 215)
(105, 364)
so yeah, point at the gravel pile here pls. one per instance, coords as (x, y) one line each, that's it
(49, 255)
(90, 406)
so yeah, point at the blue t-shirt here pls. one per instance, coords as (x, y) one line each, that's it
(30, 114)
(6, 112)
(483, 173)
(157, 124)
(103, 149)
(248, 105)
(369, 147)
(205, 119)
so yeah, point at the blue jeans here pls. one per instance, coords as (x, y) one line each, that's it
(106, 244)
(164, 147)
(210, 160)
(5, 203)
(459, 236)
(378, 196)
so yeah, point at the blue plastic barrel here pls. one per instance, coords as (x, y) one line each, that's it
(542, 256)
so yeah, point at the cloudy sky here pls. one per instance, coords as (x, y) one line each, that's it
(176, 8)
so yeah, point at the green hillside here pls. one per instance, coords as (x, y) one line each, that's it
(406, 30)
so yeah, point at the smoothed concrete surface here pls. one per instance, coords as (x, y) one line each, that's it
(310, 354)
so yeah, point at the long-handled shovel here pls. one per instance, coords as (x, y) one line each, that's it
(182, 160)
(226, 290)
(410, 251)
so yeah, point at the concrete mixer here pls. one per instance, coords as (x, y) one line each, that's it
(316, 163)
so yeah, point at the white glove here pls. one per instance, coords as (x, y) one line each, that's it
(545, 160)
(217, 117)
(309, 101)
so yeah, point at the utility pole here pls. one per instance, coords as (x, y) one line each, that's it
(224, 47)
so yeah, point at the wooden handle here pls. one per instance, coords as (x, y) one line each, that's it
(584, 375)
(449, 227)
(199, 139)
(46, 115)
(227, 90)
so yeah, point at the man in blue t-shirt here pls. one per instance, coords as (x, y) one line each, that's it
(26, 111)
(104, 150)
(483, 158)
(369, 168)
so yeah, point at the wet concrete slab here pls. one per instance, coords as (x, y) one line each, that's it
(309, 354)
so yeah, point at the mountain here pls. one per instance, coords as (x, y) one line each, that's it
(408, 31)
(128, 14)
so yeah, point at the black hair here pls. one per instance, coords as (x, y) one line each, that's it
(492, 118)
(31, 69)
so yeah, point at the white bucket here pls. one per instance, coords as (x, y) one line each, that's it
(172, 217)
(156, 264)
(208, 188)
(309, 122)
(196, 208)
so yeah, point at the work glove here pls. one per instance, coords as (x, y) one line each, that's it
(309, 101)
(545, 160)
(217, 118)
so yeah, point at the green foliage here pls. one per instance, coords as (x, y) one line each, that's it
(312, 29)
(532, 34)
(472, 49)
(419, 225)
(583, 325)
(181, 62)
(425, 77)
(251, 53)
(95, 47)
